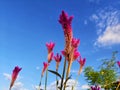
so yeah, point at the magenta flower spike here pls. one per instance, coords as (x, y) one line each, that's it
(118, 62)
(58, 58)
(75, 42)
(45, 65)
(81, 61)
(95, 88)
(14, 75)
(50, 46)
(65, 21)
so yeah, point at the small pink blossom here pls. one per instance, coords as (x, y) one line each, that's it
(63, 53)
(45, 65)
(75, 42)
(118, 62)
(95, 88)
(82, 63)
(50, 46)
(14, 75)
(58, 57)
(76, 54)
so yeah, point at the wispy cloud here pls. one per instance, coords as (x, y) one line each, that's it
(37, 68)
(108, 25)
(70, 83)
(85, 22)
(110, 36)
(19, 86)
(7, 76)
(74, 71)
(94, 1)
(84, 87)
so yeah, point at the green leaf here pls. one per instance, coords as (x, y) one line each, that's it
(54, 72)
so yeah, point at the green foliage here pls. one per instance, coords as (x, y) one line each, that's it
(106, 74)
(91, 75)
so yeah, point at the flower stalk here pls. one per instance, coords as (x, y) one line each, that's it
(63, 74)
(46, 79)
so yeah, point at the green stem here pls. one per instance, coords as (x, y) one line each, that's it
(46, 79)
(63, 74)
(40, 81)
(56, 80)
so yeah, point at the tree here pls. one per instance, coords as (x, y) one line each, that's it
(106, 76)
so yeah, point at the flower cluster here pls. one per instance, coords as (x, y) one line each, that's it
(95, 88)
(70, 54)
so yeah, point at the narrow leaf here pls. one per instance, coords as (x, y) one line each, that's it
(54, 72)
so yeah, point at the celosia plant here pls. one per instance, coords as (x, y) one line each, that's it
(70, 53)
(14, 75)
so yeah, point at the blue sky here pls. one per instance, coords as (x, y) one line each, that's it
(26, 25)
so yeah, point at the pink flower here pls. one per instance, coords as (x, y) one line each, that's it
(118, 62)
(14, 75)
(50, 56)
(75, 42)
(76, 54)
(65, 21)
(45, 64)
(63, 53)
(50, 46)
(82, 63)
(58, 58)
(95, 88)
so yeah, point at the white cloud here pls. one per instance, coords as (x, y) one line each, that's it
(85, 22)
(19, 86)
(84, 87)
(108, 25)
(70, 83)
(110, 36)
(7, 76)
(37, 68)
(74, 71)
(52, 86)
(95, 17)
(94, 1)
